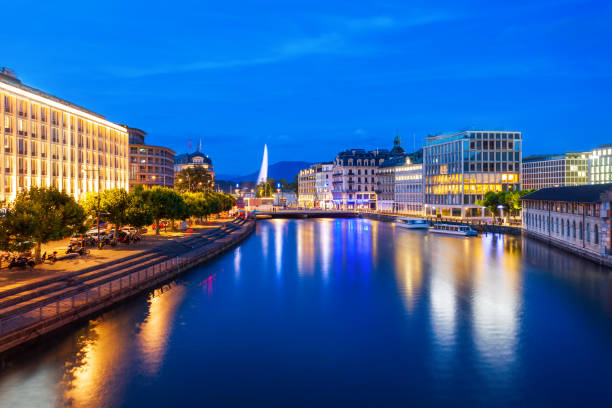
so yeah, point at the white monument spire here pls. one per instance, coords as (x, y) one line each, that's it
(263, 171)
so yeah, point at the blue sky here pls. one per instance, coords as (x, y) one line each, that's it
(311, 78)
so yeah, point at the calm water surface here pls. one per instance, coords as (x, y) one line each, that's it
(343, 312)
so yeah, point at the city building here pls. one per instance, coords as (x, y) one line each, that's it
(354, 178)
(460, 168)
(600, 165)
(48, 141)
(408, 197)
(195, 159)
(559, 170)
(575, 218)
(385, 200)
(149, 165)
(323, 185)
(307, 191)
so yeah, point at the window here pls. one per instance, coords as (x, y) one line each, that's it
(8, 124)
(596, 234)
(588, 232)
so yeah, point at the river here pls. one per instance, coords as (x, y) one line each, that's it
(343, 312)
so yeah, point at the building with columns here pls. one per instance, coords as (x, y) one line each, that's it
(48, 141)
(575, 218)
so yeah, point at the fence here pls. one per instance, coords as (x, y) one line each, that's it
(112, 288)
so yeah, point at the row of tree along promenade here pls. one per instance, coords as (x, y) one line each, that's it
(41, 215)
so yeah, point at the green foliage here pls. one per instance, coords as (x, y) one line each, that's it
(138, 213)
(193, 179)
(266, 189)
(508, 200)
(38, 216)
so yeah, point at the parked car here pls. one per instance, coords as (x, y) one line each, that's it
(130, 230)
(79, 238)
(94, 234)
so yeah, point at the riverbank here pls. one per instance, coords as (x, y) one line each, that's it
(28, 312)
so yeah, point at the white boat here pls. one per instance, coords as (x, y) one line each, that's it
(412, 223)
(451, 229)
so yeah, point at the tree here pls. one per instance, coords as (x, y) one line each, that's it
(490, 201)
(138, 213)
(40, 215)
(196, 204)
(165, 203)
(193, 179)
(267, 188)
(112, 203)
(178, 209)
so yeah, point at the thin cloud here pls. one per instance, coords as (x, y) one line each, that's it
(331, 42)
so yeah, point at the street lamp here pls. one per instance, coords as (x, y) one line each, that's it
(501, 209)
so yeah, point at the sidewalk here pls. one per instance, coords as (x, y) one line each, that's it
(10, 279)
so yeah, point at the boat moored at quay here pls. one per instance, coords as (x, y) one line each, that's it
(452, 229)
(412, 223)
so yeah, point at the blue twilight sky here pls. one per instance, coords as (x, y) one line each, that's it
(311, 78)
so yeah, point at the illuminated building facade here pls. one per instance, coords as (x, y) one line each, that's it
(48, 141)
(149, 165)
(460, 168)
(323, 185)
(600, 165)
(307, 191)
(354, 178)
(385, 200)
(195, 159)
(409, 185)
(570, 169)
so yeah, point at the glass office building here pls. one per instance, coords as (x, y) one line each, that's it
(569, 169)
(461, 167)
(600, 165)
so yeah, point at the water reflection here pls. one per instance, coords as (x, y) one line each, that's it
(305, 248)
(278, 244)
(495, 304)
(413, 315)
(237, 259)
(325, 246)
(408, 268)
(155, 330)
(96, 375)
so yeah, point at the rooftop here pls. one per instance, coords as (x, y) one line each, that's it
(9, 78)
(590, 193)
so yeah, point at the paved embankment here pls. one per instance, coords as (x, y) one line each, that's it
(31, 310)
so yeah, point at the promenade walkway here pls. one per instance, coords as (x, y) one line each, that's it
(13, 279)
(43, 300)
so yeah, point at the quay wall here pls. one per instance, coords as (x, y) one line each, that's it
(601, 259)
(61, 313)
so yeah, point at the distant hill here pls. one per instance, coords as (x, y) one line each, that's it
(277, 171)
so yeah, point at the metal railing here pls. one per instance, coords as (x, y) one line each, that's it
(89, 295)
(97, 293)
